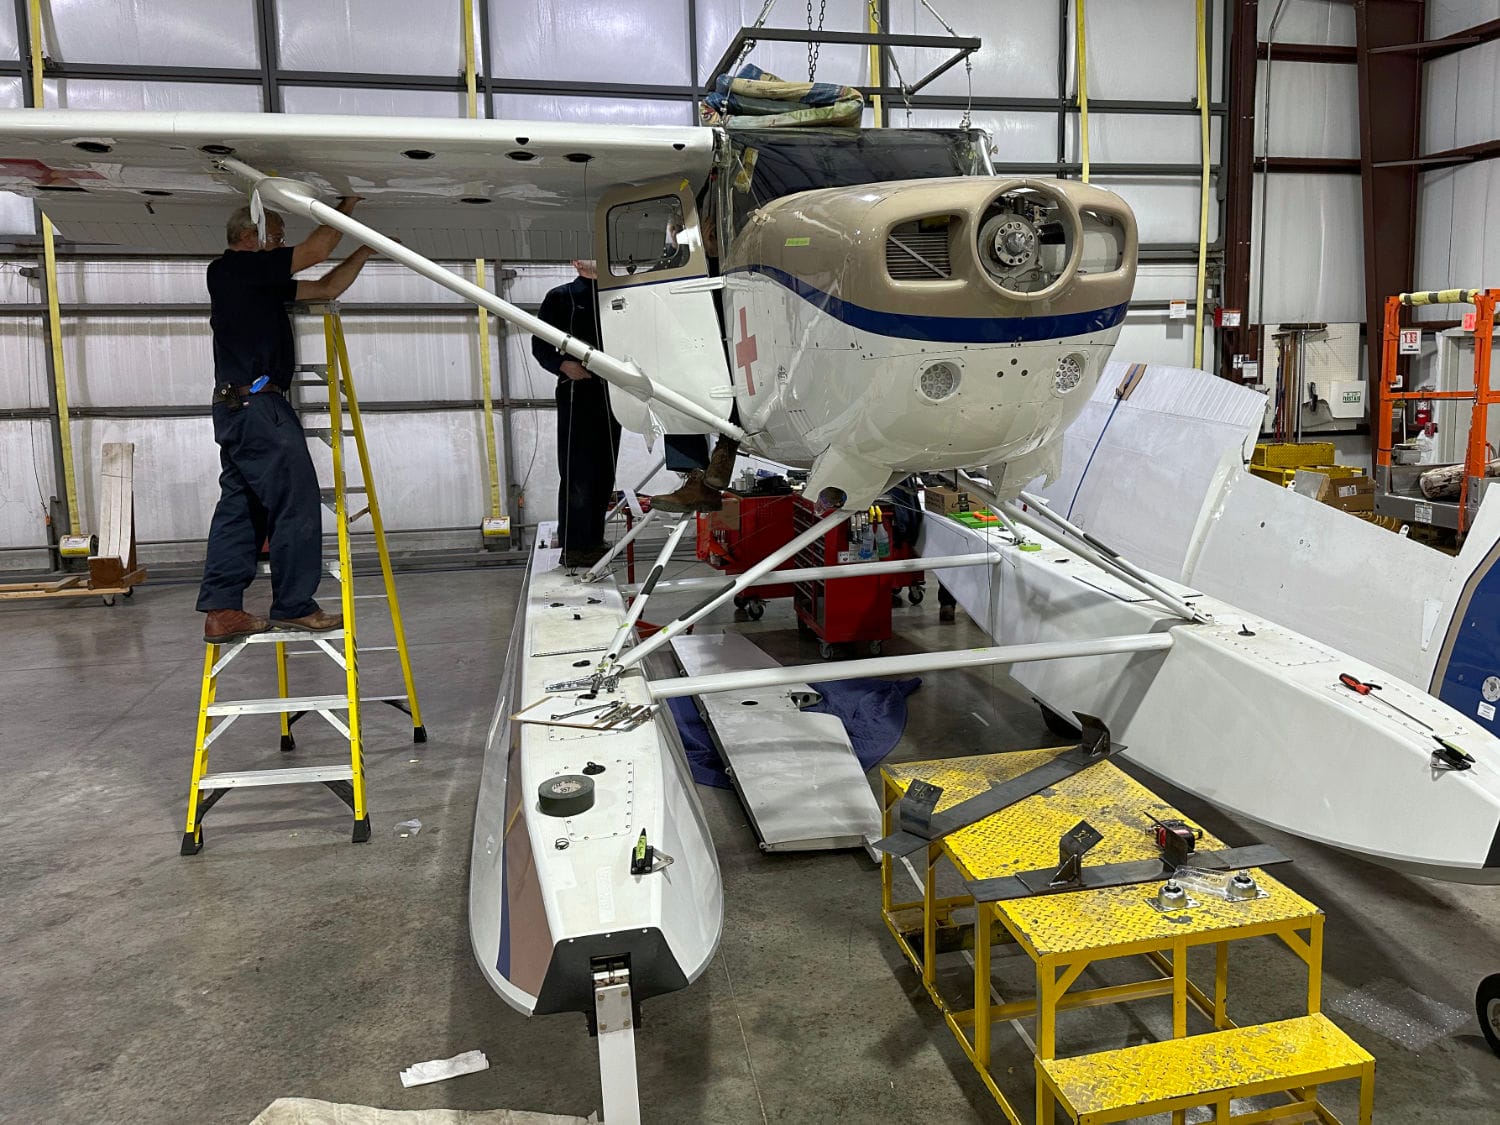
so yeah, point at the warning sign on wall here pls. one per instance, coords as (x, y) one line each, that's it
(1411, 341)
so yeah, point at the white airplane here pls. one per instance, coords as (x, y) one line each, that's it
(882, 304)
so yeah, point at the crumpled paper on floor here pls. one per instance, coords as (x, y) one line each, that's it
(435, 1070)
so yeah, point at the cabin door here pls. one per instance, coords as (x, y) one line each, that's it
(657, 303)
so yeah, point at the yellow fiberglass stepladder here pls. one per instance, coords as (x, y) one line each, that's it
(215, 717)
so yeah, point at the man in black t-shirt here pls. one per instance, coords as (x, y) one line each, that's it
(268, 486)
(588, 437)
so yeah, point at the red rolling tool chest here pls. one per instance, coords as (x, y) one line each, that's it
(842, 613)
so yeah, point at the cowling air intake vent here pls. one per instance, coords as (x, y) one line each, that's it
(920, 250)
(1026, 239)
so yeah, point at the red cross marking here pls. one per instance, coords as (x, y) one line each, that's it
(43, 176)
(745, 353)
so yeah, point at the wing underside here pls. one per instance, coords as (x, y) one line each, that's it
(449, 188)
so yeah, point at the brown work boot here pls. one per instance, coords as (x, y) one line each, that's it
(694, 496)
(721, 465)
(222, 626)
(315, 622)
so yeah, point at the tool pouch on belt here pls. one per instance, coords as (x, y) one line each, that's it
(231, 396)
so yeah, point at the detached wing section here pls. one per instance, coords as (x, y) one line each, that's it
(448, 188)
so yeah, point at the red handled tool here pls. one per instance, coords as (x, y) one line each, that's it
(1355, 684)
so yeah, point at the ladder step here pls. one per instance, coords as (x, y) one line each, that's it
(292, 775)
(320, 368)
(278, 705)
(331, 494)
(286, 636)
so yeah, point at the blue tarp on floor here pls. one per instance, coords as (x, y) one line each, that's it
(873, 711)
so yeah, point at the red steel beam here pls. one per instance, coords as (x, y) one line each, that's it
(1390, 123)
(1238, 171)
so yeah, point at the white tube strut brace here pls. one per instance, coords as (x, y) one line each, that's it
(638, 606)
(1051, 526)
(906, 665)
(847, 570)
(749, 578)
(301, 199)
(601, 568)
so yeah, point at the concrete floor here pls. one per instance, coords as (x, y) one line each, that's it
(139, 986)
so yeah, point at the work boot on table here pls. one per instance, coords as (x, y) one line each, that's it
(315, 622)
(223, 626)
(693, 496)
(703, 491)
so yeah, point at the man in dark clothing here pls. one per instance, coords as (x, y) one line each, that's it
(268, 486)
(588, 437)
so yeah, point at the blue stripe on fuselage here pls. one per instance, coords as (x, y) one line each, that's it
(946, 329)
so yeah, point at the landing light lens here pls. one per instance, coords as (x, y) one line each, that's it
(939, 381)
(1069, 374)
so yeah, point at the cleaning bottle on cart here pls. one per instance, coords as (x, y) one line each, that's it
(882, 542)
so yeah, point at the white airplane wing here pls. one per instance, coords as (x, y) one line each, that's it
(453, 189)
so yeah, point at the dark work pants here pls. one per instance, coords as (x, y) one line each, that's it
(588, 442)
(267, 487)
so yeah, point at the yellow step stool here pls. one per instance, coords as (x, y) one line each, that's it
(1288, 1056)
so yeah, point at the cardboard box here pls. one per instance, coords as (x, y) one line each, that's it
(726, 518)
(1347, 494)
(1293, 455)
(941, 500)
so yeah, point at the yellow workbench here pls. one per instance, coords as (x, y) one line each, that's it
(1065, 933)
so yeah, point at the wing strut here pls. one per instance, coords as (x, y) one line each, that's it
(301, 199)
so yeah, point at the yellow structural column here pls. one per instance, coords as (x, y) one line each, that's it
(486, 374)
(54, 314)
(1080, 54)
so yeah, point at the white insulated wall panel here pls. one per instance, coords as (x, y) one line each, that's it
(1147, 336)
(153, 32)
(719, 20)
(429, 468)
(1146, 49)
(23, 365)
(10, 43)
(365, 36)
(1314, 249)
(176, 472)
(1314, 110)
(425, 358)
(528, 379)
(1017, 137)
(1457, 243)
(1017, 59)
(534, 442)
(138, 361)
(1478, 118)
(156, 97)
(1308, 21)
(1132, 138)
(25, 485)
(375, 103)
(1440, 102)
(595, 111)
(1444, 17)
(590, 41)
(1166, 209)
